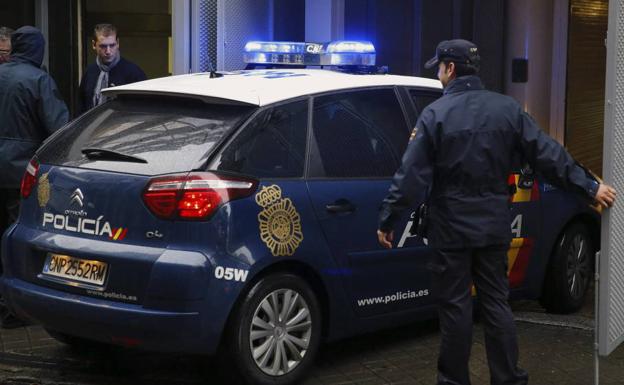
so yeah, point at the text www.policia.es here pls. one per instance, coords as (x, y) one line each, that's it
(398, 296)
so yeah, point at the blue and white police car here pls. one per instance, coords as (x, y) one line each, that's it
(236, 213)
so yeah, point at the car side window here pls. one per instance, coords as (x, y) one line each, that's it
(422, 99)
(272, 145)
(357, 134)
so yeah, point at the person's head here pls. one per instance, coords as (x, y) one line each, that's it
(105, 42)
(5, 43)
(27, 46)
(455, 58)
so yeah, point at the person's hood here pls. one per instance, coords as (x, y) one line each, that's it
(27, 46)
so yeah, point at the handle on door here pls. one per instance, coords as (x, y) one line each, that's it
(526, 179)
(340, 206)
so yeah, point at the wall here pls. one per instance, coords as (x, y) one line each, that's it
(529, 35)
(406, 33)
(14, 14)
(63, 57)
(289, 20)
(238, 22)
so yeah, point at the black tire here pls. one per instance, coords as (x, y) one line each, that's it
(240, 345)
(569, 271)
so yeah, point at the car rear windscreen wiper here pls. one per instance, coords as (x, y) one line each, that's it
(100, 153)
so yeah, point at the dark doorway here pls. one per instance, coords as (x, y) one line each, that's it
(14, 14)
(586, 81)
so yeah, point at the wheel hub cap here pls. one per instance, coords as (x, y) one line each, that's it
(280, 332)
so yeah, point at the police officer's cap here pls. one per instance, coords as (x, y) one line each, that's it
(458, 51)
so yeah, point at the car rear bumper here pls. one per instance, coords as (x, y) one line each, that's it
(109, 321)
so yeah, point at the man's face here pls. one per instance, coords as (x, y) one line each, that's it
(445, 72)
(5, 49)
(106, 48)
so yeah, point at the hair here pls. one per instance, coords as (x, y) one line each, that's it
(5, 33)
(104, 29)
(462, 69)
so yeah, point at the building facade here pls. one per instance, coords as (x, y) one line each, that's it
(548, 54)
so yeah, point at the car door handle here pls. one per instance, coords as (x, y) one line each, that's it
(340, 206)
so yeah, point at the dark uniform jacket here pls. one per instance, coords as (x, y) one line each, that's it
(462, 152)
(31, 107)
(124, 72)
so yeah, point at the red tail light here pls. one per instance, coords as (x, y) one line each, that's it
(30, 178)
(194, 196)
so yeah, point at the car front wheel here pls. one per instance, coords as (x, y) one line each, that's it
(569, 271)
(276, 331)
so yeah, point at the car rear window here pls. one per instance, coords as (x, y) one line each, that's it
(272, 145)
(170, 134)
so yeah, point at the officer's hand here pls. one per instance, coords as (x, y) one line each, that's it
(385, 239)
(605, 195)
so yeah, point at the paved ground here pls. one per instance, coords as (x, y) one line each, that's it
(553, 349)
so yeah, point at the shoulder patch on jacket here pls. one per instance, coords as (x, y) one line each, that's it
(413, 134)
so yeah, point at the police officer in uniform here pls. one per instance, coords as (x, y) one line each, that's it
(462, 150)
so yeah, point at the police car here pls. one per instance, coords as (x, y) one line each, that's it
(235, 213)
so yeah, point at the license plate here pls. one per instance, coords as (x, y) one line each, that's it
(75, 269)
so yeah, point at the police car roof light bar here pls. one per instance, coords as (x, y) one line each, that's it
(336, 53)
(343, 46)
(275, 46)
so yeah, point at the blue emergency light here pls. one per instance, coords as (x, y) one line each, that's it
(336, 53)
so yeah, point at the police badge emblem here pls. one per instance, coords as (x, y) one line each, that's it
(43, 190)
(280, 224)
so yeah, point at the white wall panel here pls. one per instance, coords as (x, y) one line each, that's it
(611, 304)
(238, 22)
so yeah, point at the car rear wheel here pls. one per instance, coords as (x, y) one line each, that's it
(569, 271)
(276, 331)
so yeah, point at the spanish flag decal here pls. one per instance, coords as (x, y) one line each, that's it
(518, 258)
(119, 233)
(523, 195)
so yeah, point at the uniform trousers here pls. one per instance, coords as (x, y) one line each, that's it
(454, 270)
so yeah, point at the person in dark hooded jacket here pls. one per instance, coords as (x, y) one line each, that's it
(31, 108)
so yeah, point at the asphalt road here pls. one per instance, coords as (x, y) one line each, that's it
(553, 349)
